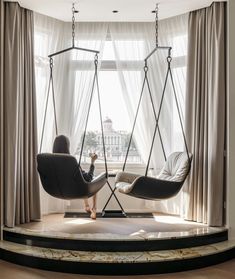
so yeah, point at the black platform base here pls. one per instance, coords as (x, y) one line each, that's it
(114, 214)
(110, 214)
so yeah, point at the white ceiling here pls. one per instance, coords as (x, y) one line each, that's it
(101, 10)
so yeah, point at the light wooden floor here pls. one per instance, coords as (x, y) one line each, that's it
(221, 271)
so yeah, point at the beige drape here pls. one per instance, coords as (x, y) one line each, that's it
(1, 110)
(21, 185)
(205, 113)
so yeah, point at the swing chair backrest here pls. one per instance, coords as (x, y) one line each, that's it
(61, 176)
(176, 167)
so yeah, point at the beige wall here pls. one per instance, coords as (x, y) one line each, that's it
(231, 121)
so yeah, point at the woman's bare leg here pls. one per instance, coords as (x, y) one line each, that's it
(87, 206)
(93, 210)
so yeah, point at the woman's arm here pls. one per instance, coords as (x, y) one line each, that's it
(88, 176)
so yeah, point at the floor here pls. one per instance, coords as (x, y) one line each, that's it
(222, 271)
(159, 226)
(125, 227)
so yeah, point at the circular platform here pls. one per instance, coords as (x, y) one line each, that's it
(116, 246)
(161, 232)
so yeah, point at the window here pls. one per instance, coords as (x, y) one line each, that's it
(115, 114)
(117, 126)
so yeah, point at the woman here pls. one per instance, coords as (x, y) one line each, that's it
(61, 145)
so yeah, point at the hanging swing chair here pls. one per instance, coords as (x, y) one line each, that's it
(60, 174)
(177, 166)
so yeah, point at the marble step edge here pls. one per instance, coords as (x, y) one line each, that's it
(115, 245)
(137, 236)
(108, 263)
(117, 257)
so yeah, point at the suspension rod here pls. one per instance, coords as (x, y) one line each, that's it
(71, 48)
(156, 48)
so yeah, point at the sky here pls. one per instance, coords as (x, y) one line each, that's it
(112, 103)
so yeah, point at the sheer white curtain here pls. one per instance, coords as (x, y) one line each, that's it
(73, 73)
(72, 82)
(140, 37)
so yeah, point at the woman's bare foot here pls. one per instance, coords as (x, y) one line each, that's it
(87, 209)
(93, 214)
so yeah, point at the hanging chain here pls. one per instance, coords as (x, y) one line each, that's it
(146, 67)
(73, 24)
(169, 58)
(51, 63)
(96, 60)
(156, 24)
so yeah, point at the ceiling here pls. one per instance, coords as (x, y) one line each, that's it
(101, 10)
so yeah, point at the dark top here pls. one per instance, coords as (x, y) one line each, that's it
(88, 176)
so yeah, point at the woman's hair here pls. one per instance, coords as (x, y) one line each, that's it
(61, 145)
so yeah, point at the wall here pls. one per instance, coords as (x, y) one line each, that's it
(230, 123)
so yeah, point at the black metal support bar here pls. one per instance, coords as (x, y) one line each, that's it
(180, 117)
(155, 115)
(71, 48)
(129, 145)
(156, 48)
(113, 194)
(45, 113)
(100, 114)
(54, 105)
(87, 118)
(158, 116)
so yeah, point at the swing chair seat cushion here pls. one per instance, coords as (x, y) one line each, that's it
(175, 171)
(124, 181)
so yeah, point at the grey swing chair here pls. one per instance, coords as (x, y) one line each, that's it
(60, 174)
(177, 166)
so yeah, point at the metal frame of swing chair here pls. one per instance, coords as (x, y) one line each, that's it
(94, 82)
(157, 116)
(122, 213)
(51, 82)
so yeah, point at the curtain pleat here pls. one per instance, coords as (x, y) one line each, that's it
(1, 109)
(205, 113)
(21, 185)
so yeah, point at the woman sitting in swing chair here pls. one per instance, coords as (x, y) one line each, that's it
(62, 145)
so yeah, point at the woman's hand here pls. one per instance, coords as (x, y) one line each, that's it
(93, 157)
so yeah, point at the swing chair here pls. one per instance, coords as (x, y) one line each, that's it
(60, 174)
(177, 166)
